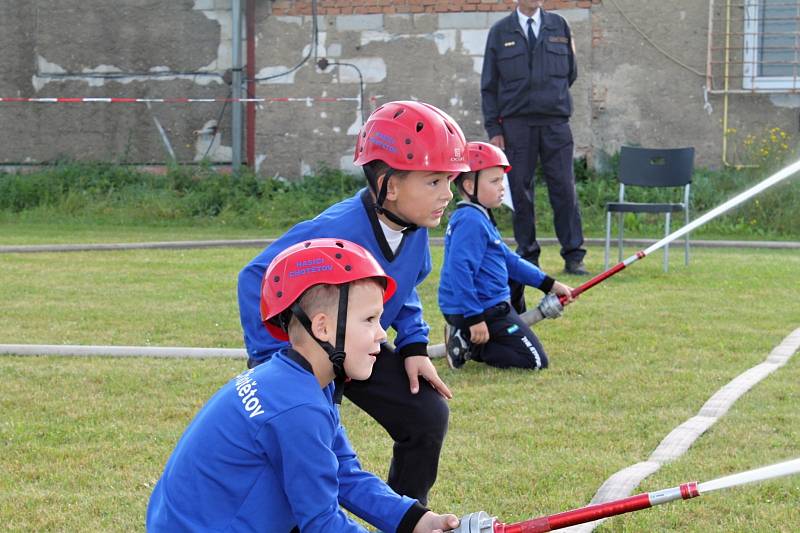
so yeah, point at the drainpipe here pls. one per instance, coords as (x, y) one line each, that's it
(236, 45)
(250, 20)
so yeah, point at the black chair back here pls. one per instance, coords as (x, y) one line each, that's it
(656, 167)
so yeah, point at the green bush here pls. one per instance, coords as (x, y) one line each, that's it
(103, 193)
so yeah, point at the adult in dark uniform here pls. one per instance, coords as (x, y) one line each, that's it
(528, 68)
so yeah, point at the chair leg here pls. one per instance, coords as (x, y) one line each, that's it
(620, 221)
(608, 238)
(666, 247)
(686, 245)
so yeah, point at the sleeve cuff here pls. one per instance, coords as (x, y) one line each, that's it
(494, 131)
(415, 348)
(475, 319)
(411, 518)
(547, 285)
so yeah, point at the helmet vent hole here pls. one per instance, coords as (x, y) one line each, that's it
(307, 244)
(449, 128)
(276, 279)
(400, 112)
(410, 156)
(338, 256)
(279, 294)
(420, 125)
(348, 268)
(408, 141)
(339, 244)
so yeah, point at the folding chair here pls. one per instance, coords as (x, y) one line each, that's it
(651, 167)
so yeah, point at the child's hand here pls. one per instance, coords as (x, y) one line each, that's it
(559, 289)
(479, 333)
(436, 523)
(420, 365)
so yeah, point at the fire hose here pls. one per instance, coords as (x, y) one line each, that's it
(481, 522)
(552, 306)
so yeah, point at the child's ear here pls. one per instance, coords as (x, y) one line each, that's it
(321, 325)
(468, 186)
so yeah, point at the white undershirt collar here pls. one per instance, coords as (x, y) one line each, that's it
(393, 236)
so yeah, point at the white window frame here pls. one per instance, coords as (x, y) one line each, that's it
(750, 78)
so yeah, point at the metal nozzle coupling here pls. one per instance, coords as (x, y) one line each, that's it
(550, 306)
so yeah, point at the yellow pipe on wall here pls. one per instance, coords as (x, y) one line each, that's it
(726, 82)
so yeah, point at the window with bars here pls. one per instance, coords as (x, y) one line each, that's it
(771, 52)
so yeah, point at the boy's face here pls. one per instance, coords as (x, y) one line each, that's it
(364, 333)
(421, 197)
(490, 187)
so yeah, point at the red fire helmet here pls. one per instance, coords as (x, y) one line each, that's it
(484, 155)
(410, 136)
(314, 262)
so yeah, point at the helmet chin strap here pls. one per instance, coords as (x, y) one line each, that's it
(336, 354)
(474, 198)
(372, 179)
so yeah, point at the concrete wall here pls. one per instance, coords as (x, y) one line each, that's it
(61, 48)
(627, 90)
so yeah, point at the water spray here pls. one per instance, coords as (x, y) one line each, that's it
(481, 522)
(552, 306)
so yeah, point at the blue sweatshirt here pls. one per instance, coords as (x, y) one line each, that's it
(268, 453)
(353, 219)
(478, 264)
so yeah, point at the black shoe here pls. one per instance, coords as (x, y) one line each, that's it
(575, 268)
(456, 347)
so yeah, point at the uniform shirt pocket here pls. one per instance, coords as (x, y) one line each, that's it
(512, 63)
(557, 59)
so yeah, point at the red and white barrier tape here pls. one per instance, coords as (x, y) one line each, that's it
(117, 100)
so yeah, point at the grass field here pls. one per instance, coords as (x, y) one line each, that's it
(84, 440)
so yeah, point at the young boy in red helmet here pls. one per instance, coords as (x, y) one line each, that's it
(473, 288)
(409, 152)
(268, 452)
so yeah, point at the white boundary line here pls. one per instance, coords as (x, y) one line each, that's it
(118, 351)
(682, 437)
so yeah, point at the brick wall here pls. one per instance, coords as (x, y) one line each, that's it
(348, 7)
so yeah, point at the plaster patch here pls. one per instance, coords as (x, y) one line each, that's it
(444, 40)
(321, 51)
(334, 50)
(785, 100)
(271, 71)
(46, 68)
(260, 158)
(223, 61)
(223, 17)
(355, 127)
(209, 144)
(372, 68)
(290, 20)
(477, 64)
(346, 164)
(473, 42)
